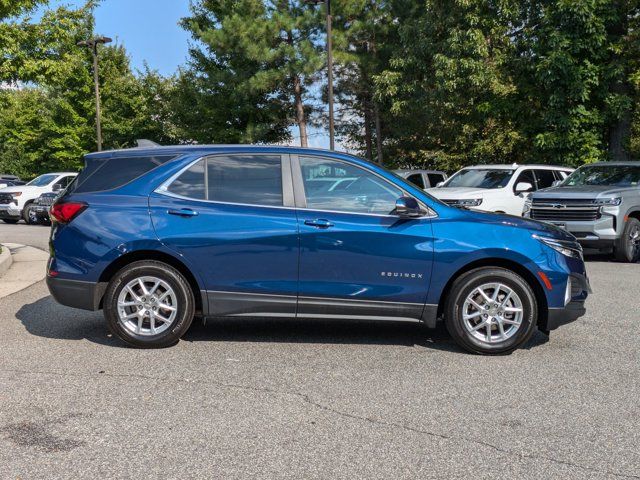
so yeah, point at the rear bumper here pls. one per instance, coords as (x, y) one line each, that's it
(76, 293)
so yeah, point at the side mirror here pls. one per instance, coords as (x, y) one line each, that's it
(56, 187)
(556, 183)
(408, 207)
(439, 184)
(523, 187)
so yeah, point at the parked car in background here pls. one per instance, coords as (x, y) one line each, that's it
(497, 188)
(9, 180)
(423, 178)
(599, 204)
(15, 200)
(38, 211)
(155, 236)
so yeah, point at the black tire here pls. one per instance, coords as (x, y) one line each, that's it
(29, 215)
(185, 304)
(627, 247)
(470, 281)
(10, 221)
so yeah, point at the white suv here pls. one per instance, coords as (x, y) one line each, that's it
(14, 201)
(497, 188)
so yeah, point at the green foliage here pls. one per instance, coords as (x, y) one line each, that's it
(249, 60)
(47, 120)
(442, 83)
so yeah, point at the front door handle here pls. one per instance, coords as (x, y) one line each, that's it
(183, 212)
(319, 223)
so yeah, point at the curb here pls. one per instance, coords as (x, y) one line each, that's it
(28, 267)
(5, 260)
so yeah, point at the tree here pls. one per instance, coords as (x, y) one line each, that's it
(252, 68)
(448, 85)
(47, 119)
(364, 33)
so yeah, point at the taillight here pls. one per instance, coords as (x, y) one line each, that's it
(67, 211)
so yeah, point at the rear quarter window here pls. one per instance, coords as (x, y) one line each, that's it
(111, 173)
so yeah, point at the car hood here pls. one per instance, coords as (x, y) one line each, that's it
(584, 191)
(455, 193)
(22, 188)
(534, 226)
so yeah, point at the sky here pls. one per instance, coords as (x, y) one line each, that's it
(149, 31)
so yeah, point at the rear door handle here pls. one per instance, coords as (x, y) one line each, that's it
(183, 212)
(319, 223)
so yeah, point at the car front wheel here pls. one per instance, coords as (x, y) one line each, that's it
(491, 311)
(149, 304)
(627, 248)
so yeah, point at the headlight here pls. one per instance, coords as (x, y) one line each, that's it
(471, 202)
(566, 248)
(608, 201)
(15, 194)
(527, 207)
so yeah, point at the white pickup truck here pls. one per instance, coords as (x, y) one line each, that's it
(497, 188)
(14, 201)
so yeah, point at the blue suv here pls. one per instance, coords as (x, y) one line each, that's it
(157, 236)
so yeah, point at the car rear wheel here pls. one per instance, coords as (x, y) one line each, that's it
(491, 311)
(149, 304)
(627, 248)
(10, 221)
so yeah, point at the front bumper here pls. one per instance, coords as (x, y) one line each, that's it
(575, 307)
(10, 211)
(77, 293)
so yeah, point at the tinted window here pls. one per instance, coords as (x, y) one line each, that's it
(545, 178)
(191, 182)
(416, 179)
(526, 176)
(338, 186)
(65, 181)
(250, 179)
(110, 173)
(481, 178)
(435, 178)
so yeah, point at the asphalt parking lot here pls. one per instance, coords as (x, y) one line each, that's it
(296, 399)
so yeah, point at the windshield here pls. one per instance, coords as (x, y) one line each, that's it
(480, 178)
(619, 176)
(42, 180)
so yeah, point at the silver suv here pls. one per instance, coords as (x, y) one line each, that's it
(599, 204)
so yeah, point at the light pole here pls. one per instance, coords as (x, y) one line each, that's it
(329, 69)
(92, 44)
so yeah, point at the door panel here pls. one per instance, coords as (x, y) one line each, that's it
(362, 262)
(356, 259)
(246, 255)
(238, 249)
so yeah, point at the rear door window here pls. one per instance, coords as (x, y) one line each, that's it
(240, 179)
(111, 173)
(247, 179)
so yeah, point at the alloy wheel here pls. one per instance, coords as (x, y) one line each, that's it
(633, 242)
(147, 306)
(492, 312)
